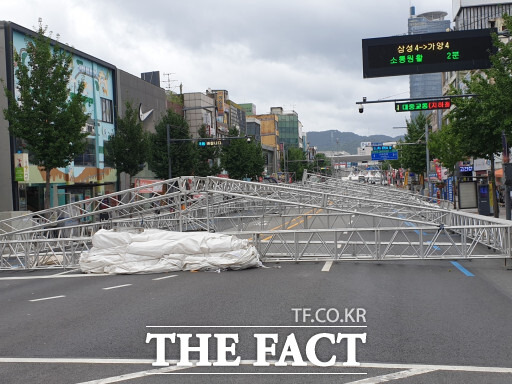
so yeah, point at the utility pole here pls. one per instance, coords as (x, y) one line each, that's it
(428, 158)
(168, 127)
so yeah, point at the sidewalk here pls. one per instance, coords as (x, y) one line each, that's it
(503, 213)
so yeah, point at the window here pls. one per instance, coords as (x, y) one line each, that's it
(106, 110)
(88, 158)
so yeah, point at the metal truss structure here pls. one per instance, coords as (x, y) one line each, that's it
(320, 218)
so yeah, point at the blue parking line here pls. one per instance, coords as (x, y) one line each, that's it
(462, 269)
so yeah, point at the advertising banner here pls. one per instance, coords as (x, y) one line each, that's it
(449, 187)
(152, 189)
(21, 168)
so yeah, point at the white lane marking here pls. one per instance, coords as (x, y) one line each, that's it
(393, 376)
(327, 266)
(134, 375)
(48, 298)
(165, 277)
(59, 276)
(66, 272)
(66, 360)
(461, 368)
(410, 368)
(256, 326)
(117, 286)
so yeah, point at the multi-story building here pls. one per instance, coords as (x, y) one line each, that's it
(149, 99)
(87, 173)
(221, 98)
(254, 128)
(479, 14)
(290, 127)
(269, 152)
(430, 84)
(249, 108)
(237, 118)
(468, 15)
(269, 129)
(472, 14)
(200, 109)
(107, 90)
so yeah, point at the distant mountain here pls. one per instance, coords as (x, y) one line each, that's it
(343, 141)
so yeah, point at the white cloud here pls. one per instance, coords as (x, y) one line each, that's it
(302, 55)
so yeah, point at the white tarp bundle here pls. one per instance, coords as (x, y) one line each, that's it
(156, 251)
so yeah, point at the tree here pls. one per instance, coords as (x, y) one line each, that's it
(207, 157)
(479, 123)
(242, 158)
(44, 113)
(412, 149)
(256, 160)
(296, 161)
(183, 153)
(321, 164)
(445, 145)
(128, 149)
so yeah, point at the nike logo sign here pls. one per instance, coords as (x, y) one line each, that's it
(143, 115)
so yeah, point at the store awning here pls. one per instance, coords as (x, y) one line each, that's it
(69, 187)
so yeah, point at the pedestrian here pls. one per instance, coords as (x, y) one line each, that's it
(104, 205)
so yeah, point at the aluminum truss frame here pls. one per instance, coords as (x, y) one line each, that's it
(56, 236)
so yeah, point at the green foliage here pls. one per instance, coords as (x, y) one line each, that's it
(46, 116)
(183, 153)
(478, 123)
(175, 98)
(321, 161)
(128, 149)
(413, 150)
(241, 158)
(207, 158)
(296, 161)
(446, 146)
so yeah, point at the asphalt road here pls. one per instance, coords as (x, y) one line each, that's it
(425, 322)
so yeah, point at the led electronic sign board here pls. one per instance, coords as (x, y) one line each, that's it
(423, 105)
(427, 53)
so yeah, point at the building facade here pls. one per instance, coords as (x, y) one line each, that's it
(249, 108)
(88, 173)
(478, 14)
(200, 109)
(429, 84)
(149, 100)
(289, 126)
(468, 15)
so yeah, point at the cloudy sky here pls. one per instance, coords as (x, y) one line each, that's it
(303, 55)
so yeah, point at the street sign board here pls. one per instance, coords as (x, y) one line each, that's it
(423, 105)
(382, 148)
(382, 156)
(427, 53)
